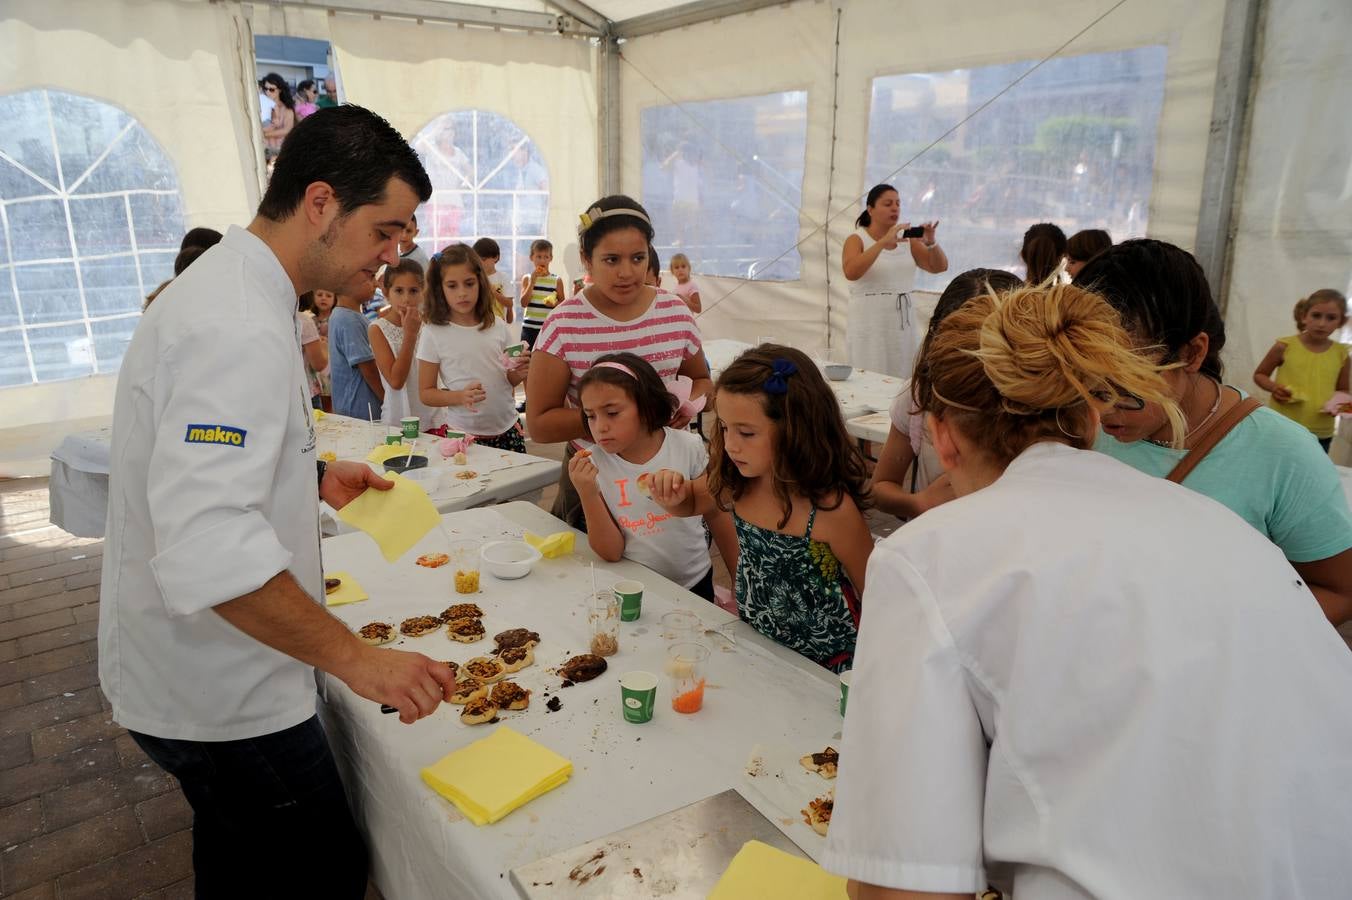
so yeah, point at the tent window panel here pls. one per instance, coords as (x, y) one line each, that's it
(723, 181)
(1073, 144)
(74, 166)
(488, 180)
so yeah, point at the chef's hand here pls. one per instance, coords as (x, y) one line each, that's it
(410, 682)
(345, 480)
(670, 489)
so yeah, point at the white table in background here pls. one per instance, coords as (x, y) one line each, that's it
(78, 489)
(761, 698)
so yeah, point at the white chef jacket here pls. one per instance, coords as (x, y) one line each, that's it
(212, 492)
(1110, 683)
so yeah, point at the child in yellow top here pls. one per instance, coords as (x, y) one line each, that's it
(1313, 365)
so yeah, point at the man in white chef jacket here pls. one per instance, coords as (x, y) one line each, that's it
(212, 619)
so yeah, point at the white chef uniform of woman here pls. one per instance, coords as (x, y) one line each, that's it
(213, 491)
(1111, 683)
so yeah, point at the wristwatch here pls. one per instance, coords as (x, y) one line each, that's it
(321, 466)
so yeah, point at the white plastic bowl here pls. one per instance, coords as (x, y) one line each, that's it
(839, 372)
(430, 478)
(509, 559)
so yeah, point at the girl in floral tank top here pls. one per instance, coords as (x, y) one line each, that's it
(782, 460)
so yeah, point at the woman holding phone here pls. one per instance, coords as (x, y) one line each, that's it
(883, 335)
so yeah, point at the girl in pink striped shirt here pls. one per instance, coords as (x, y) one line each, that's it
(616, 313)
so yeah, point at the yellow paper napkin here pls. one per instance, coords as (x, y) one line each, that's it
(560, 543)
(759, 870)
(497, 774)
(395, 519)
(348, 592)
(386, 452)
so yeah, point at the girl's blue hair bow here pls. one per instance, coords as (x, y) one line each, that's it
(778, 383)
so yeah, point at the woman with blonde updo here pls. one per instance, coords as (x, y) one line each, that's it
(1075, 670)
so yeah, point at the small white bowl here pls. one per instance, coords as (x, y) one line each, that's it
(839, 372)
(509, 559)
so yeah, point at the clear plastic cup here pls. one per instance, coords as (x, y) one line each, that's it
(687, 666)
(603, 617)
(681, 626)
(464, 566)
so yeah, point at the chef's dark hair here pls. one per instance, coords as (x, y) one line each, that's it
(349, 148)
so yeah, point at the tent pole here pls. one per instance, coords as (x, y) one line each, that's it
(689, 14)
(1229, 119)
(831, 173)
(608, 112)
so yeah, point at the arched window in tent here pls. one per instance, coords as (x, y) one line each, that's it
(488, 180)
(91, 219)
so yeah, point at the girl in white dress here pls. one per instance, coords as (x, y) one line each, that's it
(394, 341)
(882, 334)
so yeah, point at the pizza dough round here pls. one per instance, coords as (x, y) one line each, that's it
(484, 669)
(514, 659)
(824, 763)
(510, 695)
(462, 611)
(516, 637)
(479, 711)
(468, 690)
(420, 625)
(466, 631)
(433, 560)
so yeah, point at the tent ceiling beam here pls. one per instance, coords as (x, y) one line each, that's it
(689, 14)
(582, 13)
(1229, 118)
(452, 13)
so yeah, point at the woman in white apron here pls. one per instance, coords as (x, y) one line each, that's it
(880, 266)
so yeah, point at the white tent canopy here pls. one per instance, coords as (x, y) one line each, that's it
(787, 113)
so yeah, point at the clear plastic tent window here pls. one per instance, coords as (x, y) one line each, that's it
(1077, 149)
(488, 180)
(723, 181)
(91, 219)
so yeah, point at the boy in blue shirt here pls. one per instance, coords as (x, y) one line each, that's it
(357, 391)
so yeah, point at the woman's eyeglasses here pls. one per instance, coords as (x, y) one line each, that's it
(1122, 402)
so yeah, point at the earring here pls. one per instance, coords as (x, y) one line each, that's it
(1062, 428)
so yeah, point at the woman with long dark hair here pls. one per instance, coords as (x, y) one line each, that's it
(283, 112)
(882, 335)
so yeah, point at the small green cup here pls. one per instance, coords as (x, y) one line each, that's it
(409, 425)
(844, 689)
(514, 351)
(394, 438)
(630, 595)
(638, 696)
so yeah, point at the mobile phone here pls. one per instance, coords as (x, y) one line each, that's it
(917, 231)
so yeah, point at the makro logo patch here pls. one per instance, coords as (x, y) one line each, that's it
(215, 434)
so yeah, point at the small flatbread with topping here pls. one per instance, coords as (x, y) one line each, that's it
(462, 611)
(419, 625)
(510, 695)
(467, 689)
(332, 584)
(484, 669)
(455, 668)
(514, 659)
(376, 633)
(824, 763)
(466, 631)
(467, 475)
(433, 560)
(818, 813)
(479, 711)
(645, 484)
(583, 667)
(516, 637)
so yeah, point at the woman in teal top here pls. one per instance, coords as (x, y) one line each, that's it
(1268, 470)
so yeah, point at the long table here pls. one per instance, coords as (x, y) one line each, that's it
(764, 707)
(78, 489)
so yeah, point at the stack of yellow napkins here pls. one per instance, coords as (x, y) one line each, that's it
(759, 870)
(495, 775)
(560, 543)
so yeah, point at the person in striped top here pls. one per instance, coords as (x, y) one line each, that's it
(541, 292)
(616, 313)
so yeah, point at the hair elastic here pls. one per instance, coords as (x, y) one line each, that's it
(619, 366)
(777, 383)
(591, 216)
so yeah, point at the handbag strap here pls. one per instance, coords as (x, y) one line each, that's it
(1211, 437)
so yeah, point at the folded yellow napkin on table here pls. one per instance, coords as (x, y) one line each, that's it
(759, 870)
(560, 543)
(395, 519)
(494, 775)
(348, 592)
(386, 452)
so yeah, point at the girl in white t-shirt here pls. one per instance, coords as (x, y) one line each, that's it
(394, 339)
(463, 342)
(625, 409)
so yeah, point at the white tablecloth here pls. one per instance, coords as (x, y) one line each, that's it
(78, 490)
(761, 699)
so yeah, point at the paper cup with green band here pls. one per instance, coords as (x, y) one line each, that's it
(844, 689)
(514, 351)
(630, 595)
(394, 439)
(638, 696)
(409, 425)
